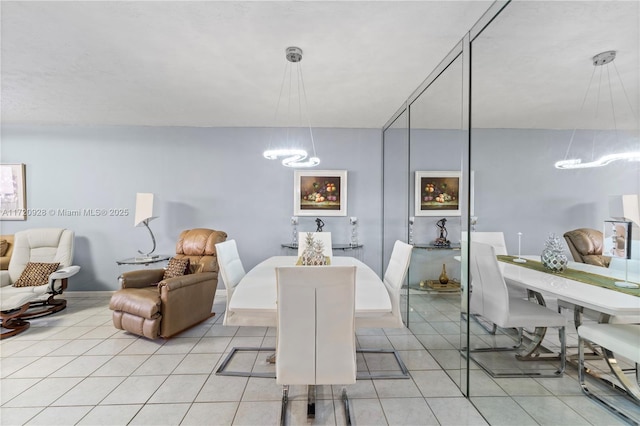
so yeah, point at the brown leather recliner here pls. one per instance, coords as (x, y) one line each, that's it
(586, 246)
(150, 306)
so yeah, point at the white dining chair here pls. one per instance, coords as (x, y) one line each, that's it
(497, 241)
(393, 279)
(324, 237)
(315, 340)
(232, 271)
(508, 312)
(621, 340)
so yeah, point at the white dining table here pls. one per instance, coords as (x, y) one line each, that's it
(600, 299)
(256, 293)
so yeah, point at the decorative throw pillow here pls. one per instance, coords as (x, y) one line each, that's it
(35, 274)
(176, 268)
(4, 246)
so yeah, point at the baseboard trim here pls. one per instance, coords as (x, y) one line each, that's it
(80, 294)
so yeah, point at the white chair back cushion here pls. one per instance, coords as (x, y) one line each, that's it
(46, 245)
(491, 298)
(395, 274)
(315, 342)
(495, 239)
(230, 265)
(325, 237)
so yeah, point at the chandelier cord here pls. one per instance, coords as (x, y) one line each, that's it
(613, 110)
(275, 117)
(624, 90)
(306, 104)
(584, 100)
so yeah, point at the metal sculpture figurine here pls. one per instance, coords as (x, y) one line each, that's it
(442, 241)
(319, 224)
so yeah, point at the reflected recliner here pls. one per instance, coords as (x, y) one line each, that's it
(150, 306)
(586, 246)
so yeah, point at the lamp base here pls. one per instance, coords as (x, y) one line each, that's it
(520, 260)
(626, 284)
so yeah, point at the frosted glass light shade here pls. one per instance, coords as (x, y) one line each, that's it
(144, 208)
(625, 207)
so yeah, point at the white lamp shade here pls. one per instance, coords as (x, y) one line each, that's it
(144, 208)
(625, 207)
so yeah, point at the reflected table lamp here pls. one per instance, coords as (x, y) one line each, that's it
(143, 215)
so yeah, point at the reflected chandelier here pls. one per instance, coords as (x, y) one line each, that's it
(294, 156)
(599, 60)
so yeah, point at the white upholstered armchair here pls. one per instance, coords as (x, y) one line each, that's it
(39, 268)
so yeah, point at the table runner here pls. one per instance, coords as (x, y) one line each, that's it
(573, 274)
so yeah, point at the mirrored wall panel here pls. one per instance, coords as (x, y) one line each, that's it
(554, 122)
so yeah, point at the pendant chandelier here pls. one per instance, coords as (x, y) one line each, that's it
(290, 149)
(602, 61)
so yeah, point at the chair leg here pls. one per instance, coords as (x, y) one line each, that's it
(312, 393)
(47, 307)
(404, 372)
(583, 371)
(285, 401)
(13, 322)
(347, 411)
(529, 352)
(221, 371)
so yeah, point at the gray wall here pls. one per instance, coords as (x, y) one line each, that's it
(202, 177)
(216, 177)
(518, 189)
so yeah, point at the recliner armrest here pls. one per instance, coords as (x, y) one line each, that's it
(141, 278)
(67, 272)
(187, 280)
(61, 274)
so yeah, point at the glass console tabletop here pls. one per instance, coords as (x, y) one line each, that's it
(143, 260)
(342, 247)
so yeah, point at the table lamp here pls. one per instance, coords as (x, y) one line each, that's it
(143, 215)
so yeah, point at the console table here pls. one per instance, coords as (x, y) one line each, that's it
(420, 280)
(143, 260)
(344, 248)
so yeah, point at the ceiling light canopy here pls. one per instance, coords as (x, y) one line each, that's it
(601, 60)
(291, 148)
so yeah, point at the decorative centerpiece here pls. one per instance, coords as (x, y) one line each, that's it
(553, 257)
(313, 254)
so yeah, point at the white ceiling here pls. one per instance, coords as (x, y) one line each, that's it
(221, 63)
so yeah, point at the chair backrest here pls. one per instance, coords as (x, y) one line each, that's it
(230, 265)
(324, 237)
(198, 245)
(492, 294)
(495, 239)
(47, 245)
(395, 274)
(315, 343)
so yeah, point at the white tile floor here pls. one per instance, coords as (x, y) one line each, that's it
(73, 367)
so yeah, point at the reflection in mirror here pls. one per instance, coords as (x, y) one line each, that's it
(531, 69)
(436, 144)
(395, 186)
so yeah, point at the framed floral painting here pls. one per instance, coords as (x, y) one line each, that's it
(320, 193)
(437, 193)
